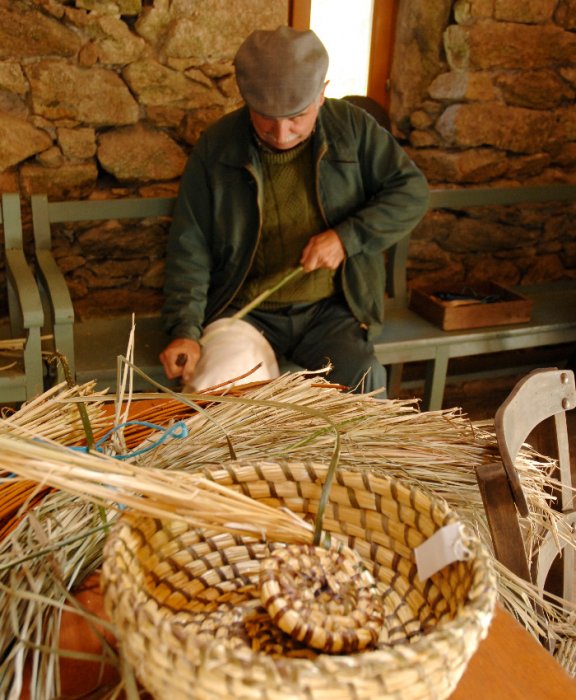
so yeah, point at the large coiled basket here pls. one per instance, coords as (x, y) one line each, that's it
(186, 604)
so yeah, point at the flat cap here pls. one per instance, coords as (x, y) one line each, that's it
(281, 72)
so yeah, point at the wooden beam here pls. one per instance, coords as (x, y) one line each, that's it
(381, 51)
(299, 14)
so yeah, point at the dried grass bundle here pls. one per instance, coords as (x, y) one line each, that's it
(54, 415)
(9, 349)
(12, 344)
(50, 541)
(292, 417)
(153, 492)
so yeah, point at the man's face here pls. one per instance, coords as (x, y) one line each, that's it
(284, 133)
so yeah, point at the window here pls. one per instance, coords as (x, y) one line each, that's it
(359, 37)
(345, 29)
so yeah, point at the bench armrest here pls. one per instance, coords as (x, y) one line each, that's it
(56, 288)
(24, 289)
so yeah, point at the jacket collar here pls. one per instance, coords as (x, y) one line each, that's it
(328, 138)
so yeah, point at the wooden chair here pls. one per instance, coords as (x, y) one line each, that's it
(23, 379)
(540, 399)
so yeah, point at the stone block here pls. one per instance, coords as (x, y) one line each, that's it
(463, 85)
(69, 181)
(77, 143)
(121, 7)
(156, 85)
(565, 14)
(471, 11)
(536, 89)
(492, 124)
(30, 34)
(524, 11)
(95, 97)
(473, 165)
(493, 45)
(12, 78)
(139, 153)
(19, 140)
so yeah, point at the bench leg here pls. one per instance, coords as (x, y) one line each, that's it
(33, 364)
(436, 371)
(64, 344)
(394, 379)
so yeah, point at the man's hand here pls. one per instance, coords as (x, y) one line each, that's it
(179, 359)
(323, 250)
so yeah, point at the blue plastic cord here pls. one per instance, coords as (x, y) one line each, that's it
(176, 430)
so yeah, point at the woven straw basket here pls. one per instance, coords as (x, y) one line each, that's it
(187, 608)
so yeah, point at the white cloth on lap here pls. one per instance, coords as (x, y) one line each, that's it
(230, 348)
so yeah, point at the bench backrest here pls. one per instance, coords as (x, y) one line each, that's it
(397, 256)
(493, 196)
(11, 219)
(45, 213)
(25, 311)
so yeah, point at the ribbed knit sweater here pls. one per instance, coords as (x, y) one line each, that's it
(290, 216)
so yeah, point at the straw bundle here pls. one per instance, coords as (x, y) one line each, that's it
(50, 542)
(9, 349)
(14, 348)
(294, 418)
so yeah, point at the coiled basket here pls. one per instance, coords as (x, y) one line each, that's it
(188, 613)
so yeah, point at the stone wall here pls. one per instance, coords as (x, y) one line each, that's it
(483, 94)
(106, 98)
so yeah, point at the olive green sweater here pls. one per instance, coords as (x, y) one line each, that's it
(290, 216)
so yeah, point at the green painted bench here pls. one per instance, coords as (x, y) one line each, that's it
(407, 337)
(92, 346)
(22, 374)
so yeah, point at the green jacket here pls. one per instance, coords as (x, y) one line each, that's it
(369, 191)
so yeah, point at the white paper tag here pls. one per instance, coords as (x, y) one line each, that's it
(445, 546)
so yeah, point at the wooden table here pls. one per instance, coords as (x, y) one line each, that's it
(510, 665)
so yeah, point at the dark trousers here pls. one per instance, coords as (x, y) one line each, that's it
(315, 335)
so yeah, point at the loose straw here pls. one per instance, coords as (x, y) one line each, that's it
(266, 293)
(245, 310)
(18, 343)
(191, 498)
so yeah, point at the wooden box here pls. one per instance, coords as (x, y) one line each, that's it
(457, 308)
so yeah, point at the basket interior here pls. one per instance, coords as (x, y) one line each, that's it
(207, 582)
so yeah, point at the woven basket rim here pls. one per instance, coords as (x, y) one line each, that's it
(472, 620)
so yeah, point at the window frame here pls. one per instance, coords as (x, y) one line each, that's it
(381, 45)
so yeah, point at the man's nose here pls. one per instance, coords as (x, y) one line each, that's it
(281, 130)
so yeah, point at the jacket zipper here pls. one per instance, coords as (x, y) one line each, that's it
(252, 172)
(321, 154)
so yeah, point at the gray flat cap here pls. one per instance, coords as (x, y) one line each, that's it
(281, 72)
